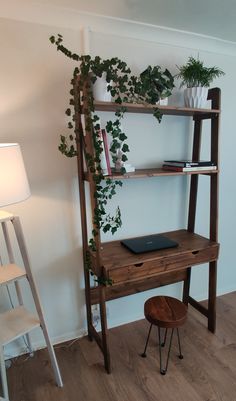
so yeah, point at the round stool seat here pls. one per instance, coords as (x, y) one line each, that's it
(164, 311)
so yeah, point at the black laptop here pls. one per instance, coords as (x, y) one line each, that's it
(148, 243)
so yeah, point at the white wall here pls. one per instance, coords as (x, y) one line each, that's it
(34, 85)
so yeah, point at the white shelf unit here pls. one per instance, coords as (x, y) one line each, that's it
(10, 273)
(17, 321)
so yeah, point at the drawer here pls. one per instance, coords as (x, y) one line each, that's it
(163, 264)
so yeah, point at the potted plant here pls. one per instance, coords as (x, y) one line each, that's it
(152, 85)
(197, 78)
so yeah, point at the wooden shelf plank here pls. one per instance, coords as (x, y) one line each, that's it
(148, 109)
(15, 323)
(137, 286)
(10, 272)
(152, 172)
(157, 172)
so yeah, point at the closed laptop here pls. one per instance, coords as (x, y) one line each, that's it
(148, 243)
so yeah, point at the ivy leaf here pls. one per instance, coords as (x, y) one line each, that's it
(125, 148)
(52, 39)
(122, 137)
(106, 228)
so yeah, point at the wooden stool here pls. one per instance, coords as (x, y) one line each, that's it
(165, 312)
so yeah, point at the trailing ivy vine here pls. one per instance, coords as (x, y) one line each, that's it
(147, 88)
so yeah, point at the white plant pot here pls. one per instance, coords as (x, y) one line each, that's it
(196, 97)
(100, 89)
(163, 102)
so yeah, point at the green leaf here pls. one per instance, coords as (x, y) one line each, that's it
(125, 148)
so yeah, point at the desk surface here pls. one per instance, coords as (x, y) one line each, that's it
(115, 255)
(121, 265)
(132, 273)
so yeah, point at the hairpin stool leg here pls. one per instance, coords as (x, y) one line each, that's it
(143, 355)
(163, 371)
(180, 352)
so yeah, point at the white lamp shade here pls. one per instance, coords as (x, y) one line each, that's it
(14, 186)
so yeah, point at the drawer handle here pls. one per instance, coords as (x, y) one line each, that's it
(195, 252)
(138, 264)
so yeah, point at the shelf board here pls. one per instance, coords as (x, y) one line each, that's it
(148, 109)
(156, 172)
(15, 323)
(10, 272)
(152, 172)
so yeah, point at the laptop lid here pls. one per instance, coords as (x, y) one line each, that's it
(148, 243)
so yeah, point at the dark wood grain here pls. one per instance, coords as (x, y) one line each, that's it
(207, 371)
(144, 284)
(166, 110)
(191, 246)
(128, 271)
(83, 214)
(197, 134)
(164, 311)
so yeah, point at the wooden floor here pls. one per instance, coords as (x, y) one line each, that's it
(207, 372)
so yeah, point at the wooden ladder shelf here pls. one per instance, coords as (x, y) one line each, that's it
(156, 268)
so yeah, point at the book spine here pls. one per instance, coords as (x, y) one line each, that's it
(190, 164)
(106, 149)
(197, 168)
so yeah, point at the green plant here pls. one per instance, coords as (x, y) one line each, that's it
(148, 87)
(152, 85)
(194, 73)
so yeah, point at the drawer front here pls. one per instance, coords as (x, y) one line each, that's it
(158, 266)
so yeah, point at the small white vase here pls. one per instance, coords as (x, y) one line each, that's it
(196, 97)
(163, 102)
(100, 91)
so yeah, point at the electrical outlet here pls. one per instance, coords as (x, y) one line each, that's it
(8, 364)
(96, 314)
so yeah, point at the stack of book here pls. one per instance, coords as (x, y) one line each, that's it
(188, 165)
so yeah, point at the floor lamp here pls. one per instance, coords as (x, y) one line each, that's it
(17, 322)
(14, 186)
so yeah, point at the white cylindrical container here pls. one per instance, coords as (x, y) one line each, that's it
(100, 91)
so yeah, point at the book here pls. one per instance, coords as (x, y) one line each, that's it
(193, 168)
(106, 149)
(189, 163)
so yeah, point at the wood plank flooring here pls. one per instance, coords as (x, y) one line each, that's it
(207, 372)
